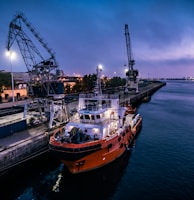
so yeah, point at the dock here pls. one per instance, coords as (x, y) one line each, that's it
(27, 144)
(146, 90)
(22, 146)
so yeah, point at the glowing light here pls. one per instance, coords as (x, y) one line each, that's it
(100, 66)
(96, 130)
(69, 128)
(11, 54)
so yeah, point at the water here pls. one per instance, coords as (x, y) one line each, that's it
(159, 166)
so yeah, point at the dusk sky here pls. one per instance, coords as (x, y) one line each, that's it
(85, 33)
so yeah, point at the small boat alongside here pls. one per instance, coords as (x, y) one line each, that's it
(99, 133)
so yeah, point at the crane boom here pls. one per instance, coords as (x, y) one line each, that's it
(42, 71)
(131, 80)
(131, 61)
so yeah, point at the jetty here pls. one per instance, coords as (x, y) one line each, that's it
(146, 90)
(21, 146)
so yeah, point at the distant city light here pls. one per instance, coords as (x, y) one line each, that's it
(76, 75)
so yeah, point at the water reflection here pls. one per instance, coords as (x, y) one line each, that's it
(31, 180)
(98, 184)
(47, 179)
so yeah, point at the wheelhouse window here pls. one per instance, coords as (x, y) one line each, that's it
(98, 116)
(87, 117)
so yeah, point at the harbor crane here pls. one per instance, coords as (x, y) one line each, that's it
(43, 85)
(42, 71)
(131, 74)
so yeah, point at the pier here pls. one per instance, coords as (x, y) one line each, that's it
(145, 91)
(21, 146)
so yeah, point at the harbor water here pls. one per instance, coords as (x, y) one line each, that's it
(159, 165)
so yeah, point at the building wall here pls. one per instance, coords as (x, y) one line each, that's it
(7, 94)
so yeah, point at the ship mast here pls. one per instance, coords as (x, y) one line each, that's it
(98, 89)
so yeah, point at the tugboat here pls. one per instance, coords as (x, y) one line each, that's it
(99, 133)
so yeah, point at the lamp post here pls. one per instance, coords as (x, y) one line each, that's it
(11, 56)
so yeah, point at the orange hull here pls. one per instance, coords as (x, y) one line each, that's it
(109, 150)
(94, 160)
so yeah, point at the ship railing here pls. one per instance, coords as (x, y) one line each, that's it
(91, 107)
(103, 96)
(94, 107)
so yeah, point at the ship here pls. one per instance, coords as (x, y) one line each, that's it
(97, 134)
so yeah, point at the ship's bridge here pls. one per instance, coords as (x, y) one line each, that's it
(92, 102)
(93, 116)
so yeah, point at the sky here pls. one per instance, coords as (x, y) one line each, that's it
(86, 33)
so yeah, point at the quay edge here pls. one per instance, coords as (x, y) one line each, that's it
(144, 91)
(22, 146)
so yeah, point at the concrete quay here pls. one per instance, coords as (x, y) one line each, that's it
(145, 91)
(13, 104)
(22, 146)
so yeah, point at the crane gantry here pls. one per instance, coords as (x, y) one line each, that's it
(131, 74)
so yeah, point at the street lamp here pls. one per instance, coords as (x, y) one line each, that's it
(11, 56)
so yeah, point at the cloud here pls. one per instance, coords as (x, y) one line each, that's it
(86, 33)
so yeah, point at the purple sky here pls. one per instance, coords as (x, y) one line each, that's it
(85, 33)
